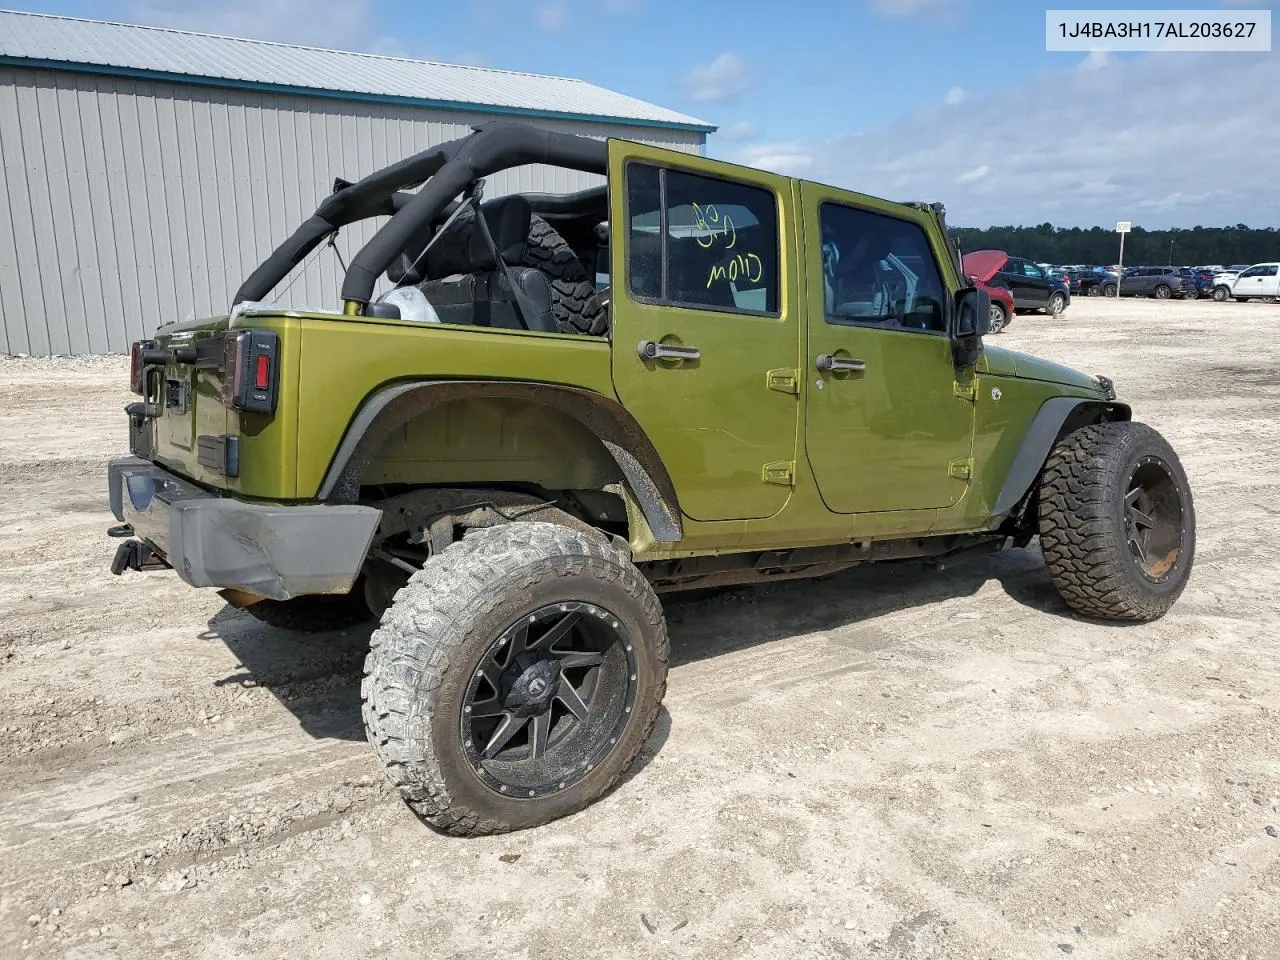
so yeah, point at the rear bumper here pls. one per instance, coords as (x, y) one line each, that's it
(272, 550)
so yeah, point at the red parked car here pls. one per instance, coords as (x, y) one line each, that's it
(980, 267)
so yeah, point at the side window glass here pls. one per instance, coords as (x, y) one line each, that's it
(701, 241)
(644, 231)
(1031, 270)
(1252, 272)
(1270, 271)
(879, 270)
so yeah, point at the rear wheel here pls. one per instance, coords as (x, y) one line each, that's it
(1162, 292)
(998, 317)
(515, 677)
(1057, 303)
(1117, 526)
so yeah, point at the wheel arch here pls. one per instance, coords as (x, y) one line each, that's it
(393, 406)
(1057, 417)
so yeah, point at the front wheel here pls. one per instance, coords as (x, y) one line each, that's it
(1220, 294)
(1109, 290)
(1057, 303)
(1117, 526)
(515, 677)
(1163, 292)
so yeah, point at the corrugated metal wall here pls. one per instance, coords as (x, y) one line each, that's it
(127, 203)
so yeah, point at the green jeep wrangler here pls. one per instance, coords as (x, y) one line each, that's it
(507, 456)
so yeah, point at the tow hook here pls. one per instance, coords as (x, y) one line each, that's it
(136, 555)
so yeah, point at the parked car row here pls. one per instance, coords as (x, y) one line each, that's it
(1015, 285)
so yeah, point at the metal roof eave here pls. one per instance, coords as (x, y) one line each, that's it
(136, 73)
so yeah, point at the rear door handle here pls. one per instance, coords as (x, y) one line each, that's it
(826, 363)
(651, 350)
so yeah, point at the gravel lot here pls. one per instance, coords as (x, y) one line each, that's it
(890, 763)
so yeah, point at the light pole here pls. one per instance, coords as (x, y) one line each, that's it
(1171, 253)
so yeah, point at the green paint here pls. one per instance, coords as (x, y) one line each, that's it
(764, 450)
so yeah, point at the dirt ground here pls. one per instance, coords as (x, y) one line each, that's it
(891, 763)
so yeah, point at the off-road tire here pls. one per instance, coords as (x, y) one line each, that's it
(1082, 522)
(1162, 291)
(313, 614)
(574, 303)
(443, 623)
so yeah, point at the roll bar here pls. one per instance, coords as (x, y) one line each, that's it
(445, 170)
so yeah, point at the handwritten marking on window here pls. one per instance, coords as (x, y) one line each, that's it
(713, 226)
(748, 267)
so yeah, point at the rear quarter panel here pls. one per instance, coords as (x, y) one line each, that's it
(343, 361)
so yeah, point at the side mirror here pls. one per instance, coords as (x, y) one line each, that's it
(973, 322)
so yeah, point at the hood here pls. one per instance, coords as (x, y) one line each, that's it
(1011, 363)
(984, 264)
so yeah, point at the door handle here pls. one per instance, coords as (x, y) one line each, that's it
(826, 363)
(651, 350)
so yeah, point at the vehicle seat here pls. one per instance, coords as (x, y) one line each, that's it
(465, 284)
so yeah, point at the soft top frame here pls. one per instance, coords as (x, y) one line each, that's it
(445, 170)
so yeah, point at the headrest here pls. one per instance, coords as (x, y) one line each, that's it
(464, 250)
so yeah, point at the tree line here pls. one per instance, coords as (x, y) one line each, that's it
(1099, 245)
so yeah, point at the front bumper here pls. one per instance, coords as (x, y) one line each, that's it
(276, 551)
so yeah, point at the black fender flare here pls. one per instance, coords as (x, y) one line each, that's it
(392, 406)
(1056, 417)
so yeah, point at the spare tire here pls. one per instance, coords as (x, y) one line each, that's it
(574, 303)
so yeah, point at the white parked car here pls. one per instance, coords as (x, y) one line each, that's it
(1260, 280)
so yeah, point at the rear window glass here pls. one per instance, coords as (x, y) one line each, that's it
(701, 241)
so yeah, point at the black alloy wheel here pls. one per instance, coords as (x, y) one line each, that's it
(548, 700)
(1153, 518)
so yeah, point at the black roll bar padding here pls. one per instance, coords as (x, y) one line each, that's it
(492, 148)
(377, 195)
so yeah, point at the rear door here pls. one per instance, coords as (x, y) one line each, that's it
(1037, 285)
(705, 324)
(1270, 280)
(886, 428)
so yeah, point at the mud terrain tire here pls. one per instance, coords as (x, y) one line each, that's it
(466, 617)
(573, 293)
(1117, 525)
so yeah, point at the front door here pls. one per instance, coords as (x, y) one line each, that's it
(704, 325)
(887, 428)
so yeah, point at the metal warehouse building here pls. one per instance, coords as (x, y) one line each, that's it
(148, 171)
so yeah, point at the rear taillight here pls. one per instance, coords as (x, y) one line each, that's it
(250, 374)
(142, 354)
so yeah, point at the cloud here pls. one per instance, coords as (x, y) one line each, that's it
(742, 130)
(955, 96)
(724, 78)
(553, 16)
(1177, 138)
(788, 158)
(906, 8)
(341, 26)
(1094, 60)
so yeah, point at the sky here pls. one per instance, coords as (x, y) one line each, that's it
(948, 100)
